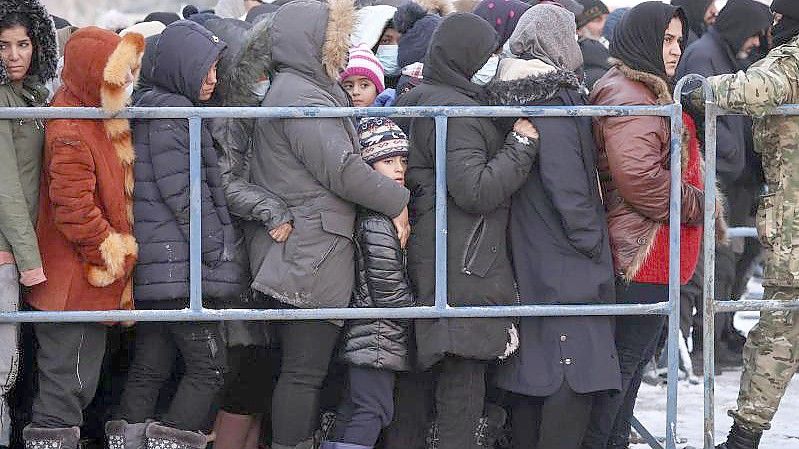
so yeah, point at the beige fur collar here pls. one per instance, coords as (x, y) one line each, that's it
(655, 83)
(340, 24)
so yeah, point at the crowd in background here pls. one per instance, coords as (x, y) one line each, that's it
(340, 212)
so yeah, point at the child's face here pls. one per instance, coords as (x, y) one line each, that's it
(362, 91)
(393, 167)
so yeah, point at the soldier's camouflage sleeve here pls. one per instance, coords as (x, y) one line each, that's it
(767, 84)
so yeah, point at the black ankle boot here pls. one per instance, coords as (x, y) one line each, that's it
(741, 438)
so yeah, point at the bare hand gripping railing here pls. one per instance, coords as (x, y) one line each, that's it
(196, 311)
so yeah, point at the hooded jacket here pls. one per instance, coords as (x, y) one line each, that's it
(484, 170)
(183, 56)
(695, 14)
(715, 53)
(85, 221)
(21, 143)
(246, 59)
(313, 164)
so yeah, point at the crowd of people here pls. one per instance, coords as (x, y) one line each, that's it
(340, 212)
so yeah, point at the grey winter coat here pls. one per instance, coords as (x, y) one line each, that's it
(558, 231)
(313, 164)
(484, 169)
(183, 55)
(380, 281)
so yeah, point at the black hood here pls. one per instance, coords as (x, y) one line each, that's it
(740, 20)
(147, 65)
(184, 54)
(42, 34)
(638, 38)
(695, 13)
(460, 47)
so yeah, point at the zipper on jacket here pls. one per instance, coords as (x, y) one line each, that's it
(325, 256)
(471, 247)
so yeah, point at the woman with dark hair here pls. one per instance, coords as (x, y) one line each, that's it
(634, 170)
(557, 227)
(28, 58)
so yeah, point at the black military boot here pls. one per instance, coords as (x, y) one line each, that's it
(741, 438)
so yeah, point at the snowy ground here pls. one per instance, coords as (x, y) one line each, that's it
(651, 407)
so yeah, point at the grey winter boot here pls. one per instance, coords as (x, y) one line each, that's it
(741, 438)
(61, 438)
(162, 437)
(121, 435)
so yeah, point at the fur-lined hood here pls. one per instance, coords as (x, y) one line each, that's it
(96, 64)
(42, 33)
(253, 61)
(537, 87)
(312, 38)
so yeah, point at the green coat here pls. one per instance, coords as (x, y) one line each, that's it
(769, 83)
(21, 144)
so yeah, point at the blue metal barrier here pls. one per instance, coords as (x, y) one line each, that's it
(196, 311)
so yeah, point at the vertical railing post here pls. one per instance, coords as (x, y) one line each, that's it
(441, 212)
(195, 214)
(674, 273)
(708, 297)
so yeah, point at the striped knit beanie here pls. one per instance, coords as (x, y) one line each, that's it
(364, 63)
(381, 138)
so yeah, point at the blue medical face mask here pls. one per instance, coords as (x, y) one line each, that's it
(487, 72)
(387, 55)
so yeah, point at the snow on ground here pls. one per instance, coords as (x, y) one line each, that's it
(651, 406)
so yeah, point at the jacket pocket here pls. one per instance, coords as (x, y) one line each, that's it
(769, 218)
(339, 226)
(480, 250)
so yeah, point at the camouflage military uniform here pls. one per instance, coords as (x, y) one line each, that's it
(771, 354)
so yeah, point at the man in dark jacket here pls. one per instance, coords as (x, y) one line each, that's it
(183, 75)
(700, 14)
(315, 167)
(592, 44)
(485, 168)
(725, 48)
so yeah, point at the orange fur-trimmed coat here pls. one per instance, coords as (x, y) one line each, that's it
(85, 223)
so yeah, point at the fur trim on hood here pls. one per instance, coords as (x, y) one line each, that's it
(655, 83)
(530, 90)
(440, 7)
(340, 23)
(42, 33)
(253, 62)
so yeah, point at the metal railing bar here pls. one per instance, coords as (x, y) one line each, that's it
(441, 213)
(758, 305)
(650, 439)
(195, 222)
(333, 314)
(313, 112)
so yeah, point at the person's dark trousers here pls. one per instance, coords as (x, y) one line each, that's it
(157, 348)
(691, 308)
(636, 341)
(69, 360)
(460, 400)
(558, 421)
(367, 408)
(306, 350)
(413, 411)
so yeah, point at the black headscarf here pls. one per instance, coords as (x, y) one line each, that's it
(638, 38)
(694, 13)
(460, 47)
(740, 20)
(785, 30)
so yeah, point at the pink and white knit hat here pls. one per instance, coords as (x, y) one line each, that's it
(364, 63)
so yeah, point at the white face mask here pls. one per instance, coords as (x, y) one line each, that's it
(387, 55)
(487, 72)
(260, 89)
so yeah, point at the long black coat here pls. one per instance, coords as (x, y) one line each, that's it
(183, 55)
(560, 250)
(484, 169)
(380, 281)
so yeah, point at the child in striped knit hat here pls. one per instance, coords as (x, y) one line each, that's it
(375, 350)
(364, 78)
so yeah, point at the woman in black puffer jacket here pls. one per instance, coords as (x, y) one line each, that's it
(375, 349)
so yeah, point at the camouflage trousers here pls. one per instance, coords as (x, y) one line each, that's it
(771, 358)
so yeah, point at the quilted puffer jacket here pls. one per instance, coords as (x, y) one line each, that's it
(380, 281)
